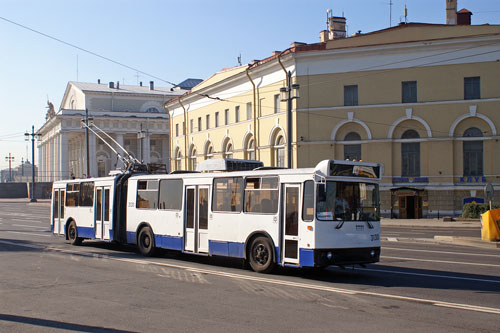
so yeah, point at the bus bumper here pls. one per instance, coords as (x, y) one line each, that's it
(341, 257)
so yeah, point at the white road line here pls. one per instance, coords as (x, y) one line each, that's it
(392, 239)
(26, 233)
(28, 226)
(443, 261)
(447, 252)
(428, 275)
(467, 307)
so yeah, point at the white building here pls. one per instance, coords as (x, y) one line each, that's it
(133, 115)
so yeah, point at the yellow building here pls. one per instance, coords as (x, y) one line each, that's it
(422, 99)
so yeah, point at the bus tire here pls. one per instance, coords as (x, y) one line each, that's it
(146, 242)
(261, 255)
(73, 234)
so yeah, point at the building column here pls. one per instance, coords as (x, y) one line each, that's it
(119, 140)
(57, 157)
(147, 149)
(165, 151)
(63, 156)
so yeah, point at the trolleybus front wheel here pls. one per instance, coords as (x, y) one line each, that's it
(261, 255)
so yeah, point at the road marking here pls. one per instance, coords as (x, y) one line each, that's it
(447, 252)
(28, 226)
(467, 307)
(443, 261)
(428, 275)
(26, 233)
(392, 239)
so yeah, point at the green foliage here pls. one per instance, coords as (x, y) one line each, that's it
(474, 210)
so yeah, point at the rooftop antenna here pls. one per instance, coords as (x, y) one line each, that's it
(328, 13)
(390, 13)
(406, 14)
(239, 59)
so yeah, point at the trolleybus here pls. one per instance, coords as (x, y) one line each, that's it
(314, 217)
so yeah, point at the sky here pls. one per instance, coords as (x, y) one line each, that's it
(169, 40)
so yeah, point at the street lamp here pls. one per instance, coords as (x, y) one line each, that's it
(10, 159)
(27, 138)
(288, 93)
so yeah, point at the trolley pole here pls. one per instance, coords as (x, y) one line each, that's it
(87, 140)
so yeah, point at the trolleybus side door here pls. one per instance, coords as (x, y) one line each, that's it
(291, 223)
(102, 212)
(58, 211)
(196, 221)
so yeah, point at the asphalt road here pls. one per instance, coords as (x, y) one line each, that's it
(48, 285)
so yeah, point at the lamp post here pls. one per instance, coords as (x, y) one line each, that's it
(288, 93)
(10, 159)
(33, 136)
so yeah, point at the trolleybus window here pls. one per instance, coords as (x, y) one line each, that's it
(86, 194)
(228, 193)
(72, 193)
(261, 195)
(344, 201)
(170, 194)
(308, 202)
(147, 194)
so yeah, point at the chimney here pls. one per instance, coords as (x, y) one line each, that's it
(335, 27)
(98, 81)
(463, 17)
(117, 84)
(151, 85)
(451, 12)
(275, 53)
(111, 85)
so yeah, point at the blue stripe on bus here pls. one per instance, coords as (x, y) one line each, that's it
(131, 237)
(86, 232)
(169, 242)
(52, 227)
(111, 235)
(228, 249)
(306, 257)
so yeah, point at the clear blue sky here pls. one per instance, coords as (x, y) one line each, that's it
(172, 40)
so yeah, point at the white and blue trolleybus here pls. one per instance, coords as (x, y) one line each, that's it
(314, 217)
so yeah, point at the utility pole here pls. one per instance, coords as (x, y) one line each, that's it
(288, 93)
(10, 159)
(87, 140)
(22, 167)
(33, 136)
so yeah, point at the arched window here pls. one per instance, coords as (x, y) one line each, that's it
(473, 153)
(178, 159)
(152, 110)
(352, 151)
(250, 149)
(410, 155)
(228, 149)
(192, 158)
(209, 151)
(279, 151)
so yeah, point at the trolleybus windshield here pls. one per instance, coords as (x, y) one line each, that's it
(345, 201)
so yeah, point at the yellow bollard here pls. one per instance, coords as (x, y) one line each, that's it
(490, 225)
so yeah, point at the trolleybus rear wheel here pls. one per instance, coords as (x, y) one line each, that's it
(261, 256)
(73, 234)
(146, 242)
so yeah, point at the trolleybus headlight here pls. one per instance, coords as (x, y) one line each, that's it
(329, 255)
(372, 253)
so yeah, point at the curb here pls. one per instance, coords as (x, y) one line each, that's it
(466, 241)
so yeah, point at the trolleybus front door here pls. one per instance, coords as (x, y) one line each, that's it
(102, 212)
(58, 211)
(291, 224)
(196, 222)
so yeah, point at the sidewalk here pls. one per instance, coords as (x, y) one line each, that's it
(40, 202)
(439, 223)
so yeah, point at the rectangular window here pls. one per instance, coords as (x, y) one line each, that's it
(352, 152)
(191, 125)
(277, 103)
(237, 114)
(216, 119)
(261, 195)
(409, 92)
(176, 129)
(249, 111)
(472, 87)
(226, 116)
(208, 121)
(228, 193)
(351, 95)
(170, 194)
(410, 159)
(308, 201)
(199, 124)
(473, 158)
(147, 194)
(86, 194)
(72, 193)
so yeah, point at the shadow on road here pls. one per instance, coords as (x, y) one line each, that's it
(55, 324)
